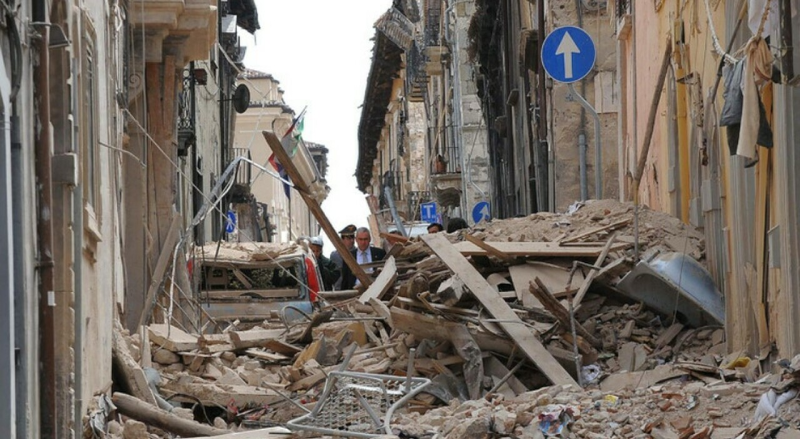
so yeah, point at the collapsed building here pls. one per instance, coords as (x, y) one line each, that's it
(521, 327)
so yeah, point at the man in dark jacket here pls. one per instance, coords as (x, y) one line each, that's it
(328, 270)
(363, 254)
(348, 235)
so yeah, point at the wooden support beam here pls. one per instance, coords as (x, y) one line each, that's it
(383, 283)
(156, 417)
(539, 289)
(524, 338)
(651, 118)
(535, 249)
(587, 281)
(316, 210)
(163, 263)
(488, 248)
(590, 232)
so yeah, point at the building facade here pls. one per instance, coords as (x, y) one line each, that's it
(459, 111)
(282, 218)
(694, 168)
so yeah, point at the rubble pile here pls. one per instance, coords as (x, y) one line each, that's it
(525, 327)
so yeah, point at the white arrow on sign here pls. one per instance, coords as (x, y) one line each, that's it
(567, 47)
(485, 211)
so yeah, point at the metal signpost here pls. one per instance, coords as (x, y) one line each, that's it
(568, 55)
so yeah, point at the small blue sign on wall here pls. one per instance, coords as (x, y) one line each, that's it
(428, 212)
(230, 224)
(481, 212)
(568, 54)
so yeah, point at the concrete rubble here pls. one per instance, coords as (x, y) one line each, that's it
(644, 374)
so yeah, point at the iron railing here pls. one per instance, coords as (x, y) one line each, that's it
(186, 112)
(433, 18)
(623, 8)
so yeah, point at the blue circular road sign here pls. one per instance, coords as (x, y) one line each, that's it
(568, 54)
(481, 212)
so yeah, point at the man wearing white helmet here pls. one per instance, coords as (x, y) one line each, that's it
(328, 270)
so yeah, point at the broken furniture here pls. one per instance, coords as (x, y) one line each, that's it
(358, 404)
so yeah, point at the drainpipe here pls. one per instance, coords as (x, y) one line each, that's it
(544, 131)
(582, 167)
(77, 268)
(44, 223)
(582, 133)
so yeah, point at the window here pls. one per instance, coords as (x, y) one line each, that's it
(88, 128)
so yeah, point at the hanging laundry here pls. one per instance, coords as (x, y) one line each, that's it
(731, 114)
(755, 129)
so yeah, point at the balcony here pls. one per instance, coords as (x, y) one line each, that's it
(187, 26)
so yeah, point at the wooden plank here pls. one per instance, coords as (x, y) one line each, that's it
(282, 347)
(156, 417)
(382, 284)
(497, 370)
(587, 282)
(164, 260)
(668, 335)
(222, 394)
(553, 276)
(468, 349)
(438, 328)
(172, 338)
(552, 304)
(499, 309)
(488, 248)
(307, 382)
(132, 375)
(269, 357)
(534, 249)
(644, 379)
(255, 338)
(758, 289)
(302, 188)
(591, 232)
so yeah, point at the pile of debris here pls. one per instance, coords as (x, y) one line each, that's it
(525, 327)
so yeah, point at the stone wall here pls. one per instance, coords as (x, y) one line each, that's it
(566, 111)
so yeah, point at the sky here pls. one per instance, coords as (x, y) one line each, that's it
(320, 52)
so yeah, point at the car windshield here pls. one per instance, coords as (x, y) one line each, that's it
(264, 277)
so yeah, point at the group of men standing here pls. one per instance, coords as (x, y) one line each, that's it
(336, 275)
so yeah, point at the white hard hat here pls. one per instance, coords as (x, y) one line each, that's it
(316, 240)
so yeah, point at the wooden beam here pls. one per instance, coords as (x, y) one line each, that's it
(539, 289)
(383, 283)
(156, 417)
(535, 249)
(651, 118)
(499, 309)
(591, 232)
(129, 370)
(316, 210)
(488, 248)
(163, 263)
(587, 281)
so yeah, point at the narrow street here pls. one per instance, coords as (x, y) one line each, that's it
(400, 219)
